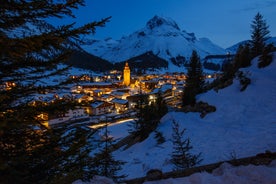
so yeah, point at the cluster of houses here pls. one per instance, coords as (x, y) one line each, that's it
(103, 98)
(109, 95)
(99, 99)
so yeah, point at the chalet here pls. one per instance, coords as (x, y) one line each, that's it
(121, 105)
(53, 119)
(82, 98)
(101, 107)
(178, 91)
(120, 94)
(106, 97)
(166, 90)
(97, 92)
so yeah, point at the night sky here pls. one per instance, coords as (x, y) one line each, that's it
(225, 22)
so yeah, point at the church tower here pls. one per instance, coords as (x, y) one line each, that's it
(126, 75)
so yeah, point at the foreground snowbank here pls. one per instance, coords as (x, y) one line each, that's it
(228, 174)
(96, 180)
(225, 174)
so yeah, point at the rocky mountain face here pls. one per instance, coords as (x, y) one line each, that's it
(162, 37)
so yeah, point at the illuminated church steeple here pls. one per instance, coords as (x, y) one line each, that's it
(126, 75)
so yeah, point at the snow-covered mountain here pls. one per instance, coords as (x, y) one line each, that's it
(161, 35)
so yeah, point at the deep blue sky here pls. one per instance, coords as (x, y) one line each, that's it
(225, 22)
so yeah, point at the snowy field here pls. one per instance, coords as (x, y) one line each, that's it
(117, 130)
(243, 125)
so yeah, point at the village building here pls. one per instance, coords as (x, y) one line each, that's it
(121, 94)
(100, 108)
(79, 113)
(120, 105)
(82, 98)
(106, 97)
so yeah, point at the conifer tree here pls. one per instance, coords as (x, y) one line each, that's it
(181, 156)
(30, 51)
(139, 126)
(194, 81)
(161, 106)
(148, 115)
(259, 34)
(104, 162)
(266, 57)
(243, 57)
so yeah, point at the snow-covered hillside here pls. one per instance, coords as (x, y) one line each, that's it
(225, 174)
(228, 174)
(244, 124)
(233, 49)
(161, 35)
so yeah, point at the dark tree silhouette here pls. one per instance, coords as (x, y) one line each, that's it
(194, 81)
(259, 34)
(30, 51)
(181, 156)
(243, 57)
(104, 162)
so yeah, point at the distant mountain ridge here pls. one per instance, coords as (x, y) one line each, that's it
(233, 49)
(161, 36)
(82, 59)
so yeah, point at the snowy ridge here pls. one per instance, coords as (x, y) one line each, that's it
(234, 48)
(243, 125)
(160, 35)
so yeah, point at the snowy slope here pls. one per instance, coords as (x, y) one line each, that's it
(234, 48)
(243, 125)
(225, 174)
(160, 35)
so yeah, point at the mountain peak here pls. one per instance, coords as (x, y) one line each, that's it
(163, 37)
(158, 21)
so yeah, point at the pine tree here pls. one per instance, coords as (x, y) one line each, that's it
(259, 34)
(30, 51)
(104, 162)
(243, 57)
(181, 156)
(266, 57)
(148, 115)
(161, 106)
(138, 127)
(194, 81)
